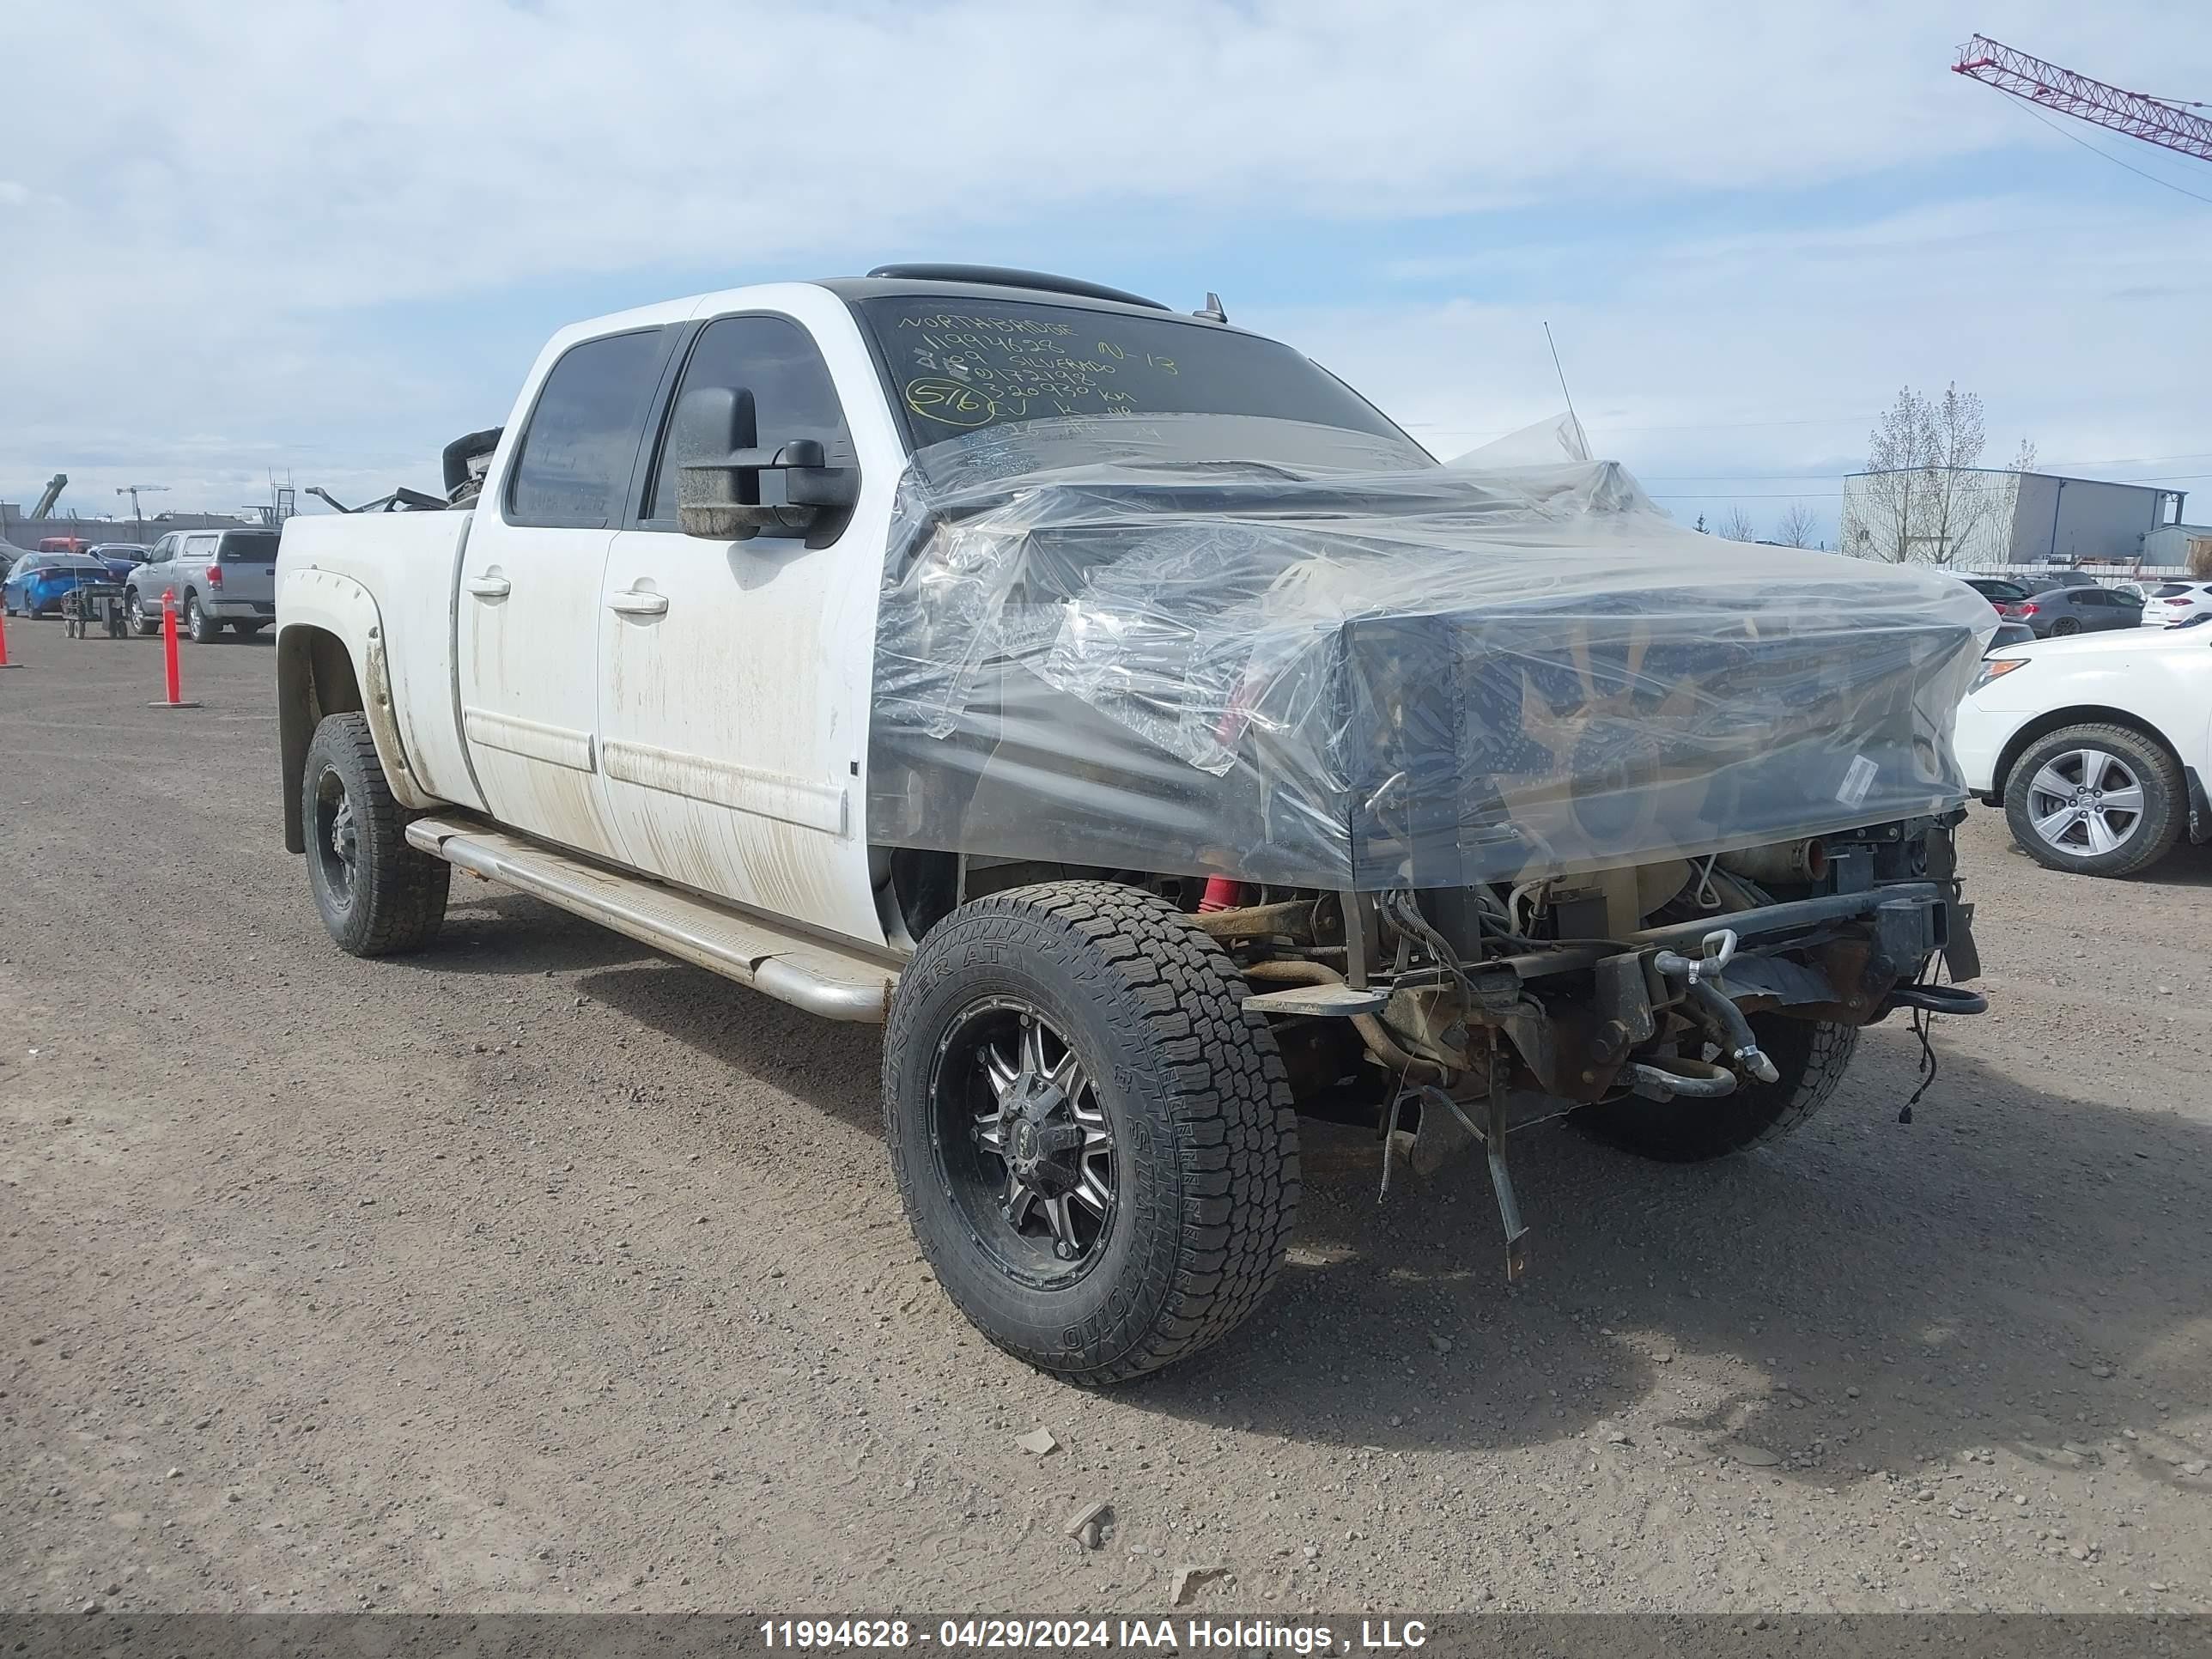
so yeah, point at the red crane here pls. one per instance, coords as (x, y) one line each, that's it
(2154, 120)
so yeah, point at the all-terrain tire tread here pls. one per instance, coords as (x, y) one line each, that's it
(1811, 1055)
(1168, 986)
(1812, 1088)
(406, 888)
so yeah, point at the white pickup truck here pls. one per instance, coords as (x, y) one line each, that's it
(1152, 735)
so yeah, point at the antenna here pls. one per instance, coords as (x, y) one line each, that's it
(1562, 374)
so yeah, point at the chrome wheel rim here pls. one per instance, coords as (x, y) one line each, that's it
(336, 840)
(2085, 802)
(1024, 1146)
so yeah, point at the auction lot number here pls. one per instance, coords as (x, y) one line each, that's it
(952, 1633)
(836, 1633)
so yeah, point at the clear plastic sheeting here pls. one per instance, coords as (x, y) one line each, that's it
(1126, 644)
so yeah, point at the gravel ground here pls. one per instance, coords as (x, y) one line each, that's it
(543, 1273)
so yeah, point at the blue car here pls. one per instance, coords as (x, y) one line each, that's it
(35, 586)
(121, 558)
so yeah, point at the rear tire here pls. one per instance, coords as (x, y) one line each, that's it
(377, 895)
(1812, 1056)
(2065, 627)
(203, 629)
(2041, 789)
(1177, 1180)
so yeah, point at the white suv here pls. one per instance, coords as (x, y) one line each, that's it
(2096, 746)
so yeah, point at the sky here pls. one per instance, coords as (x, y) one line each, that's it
(320, 239)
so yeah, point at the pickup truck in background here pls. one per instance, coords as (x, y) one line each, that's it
(1156, 740)
(222, 579)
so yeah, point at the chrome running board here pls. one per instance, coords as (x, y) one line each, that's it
(819, 975)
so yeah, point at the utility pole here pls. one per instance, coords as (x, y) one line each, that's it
(137, 520)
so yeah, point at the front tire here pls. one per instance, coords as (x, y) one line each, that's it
(377, 895)
(134, 610)
(1094, 1143)
(1812, 1056)
(2096, 801)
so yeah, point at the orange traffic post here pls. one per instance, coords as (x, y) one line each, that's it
(4, 663)
(175, 699)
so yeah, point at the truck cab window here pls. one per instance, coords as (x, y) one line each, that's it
(575, 463)
(794, 395)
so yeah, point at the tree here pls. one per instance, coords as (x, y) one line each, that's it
(1735, 526)
(1923, 497)
(1798, 526)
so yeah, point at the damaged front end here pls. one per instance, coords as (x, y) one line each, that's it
(1459, 1016)
(1509, 797)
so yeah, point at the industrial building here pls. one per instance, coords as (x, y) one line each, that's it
(2179, 545)
(1983, 516)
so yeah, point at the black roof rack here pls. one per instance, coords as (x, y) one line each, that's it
(1009, 276)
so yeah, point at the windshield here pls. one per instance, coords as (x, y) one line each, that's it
(958, 365)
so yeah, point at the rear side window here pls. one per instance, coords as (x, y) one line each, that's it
(793, 393)
(574, 466)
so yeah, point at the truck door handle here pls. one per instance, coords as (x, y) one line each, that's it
(489, 587)
(632, 603)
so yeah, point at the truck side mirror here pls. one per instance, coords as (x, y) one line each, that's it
(731, 485)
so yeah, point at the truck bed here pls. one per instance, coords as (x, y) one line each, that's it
(398, 573)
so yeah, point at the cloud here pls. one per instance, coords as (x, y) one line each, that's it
(2082, 328)
(339, 255)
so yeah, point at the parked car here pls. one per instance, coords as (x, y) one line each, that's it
(2000, 593)
(2098, 748)
(2057, 612)
(35, 586)
(1996, 589)
(121, 558)
(221, 578)
(849, 640)
(2176, 605)
(63, 545)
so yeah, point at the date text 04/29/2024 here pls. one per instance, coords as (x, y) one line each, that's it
(1075, 1635)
